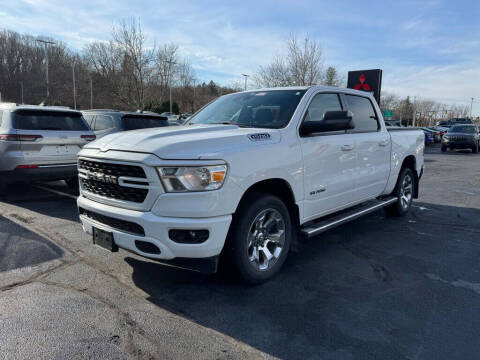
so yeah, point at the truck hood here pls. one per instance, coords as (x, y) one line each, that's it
(187, 142)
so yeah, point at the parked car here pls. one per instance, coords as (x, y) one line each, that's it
(40, 143)
(170, 116)
(104, 121)
(435, 133)
(392, 123)
(250, 173)
(429, 136)
(462, 137)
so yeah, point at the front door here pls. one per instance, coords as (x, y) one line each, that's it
(329, 162)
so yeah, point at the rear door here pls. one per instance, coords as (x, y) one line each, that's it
(50, 136)
(372, 143)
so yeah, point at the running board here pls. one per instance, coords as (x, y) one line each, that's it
(330, 221)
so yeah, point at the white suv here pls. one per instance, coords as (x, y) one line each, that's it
(40, 143)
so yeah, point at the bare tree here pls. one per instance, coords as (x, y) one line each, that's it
(137, 59)
(300, 65)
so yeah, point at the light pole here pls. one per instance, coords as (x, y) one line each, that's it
(414, 110)
(46, 42)
(74, 90)
(91, 93)
(246, 77)
(471, 107)
(21, 88)
(170, 63)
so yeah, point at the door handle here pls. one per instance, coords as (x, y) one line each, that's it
(383, 143)
(347, 147)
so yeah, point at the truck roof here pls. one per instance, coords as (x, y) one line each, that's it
(315, 87)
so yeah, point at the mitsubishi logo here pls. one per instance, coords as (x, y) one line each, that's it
(362, 85)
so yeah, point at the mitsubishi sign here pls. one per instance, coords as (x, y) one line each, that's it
(366, 80)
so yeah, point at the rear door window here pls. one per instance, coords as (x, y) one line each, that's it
(364, 116)
(48, 120)
(134, 122)
(103, 122)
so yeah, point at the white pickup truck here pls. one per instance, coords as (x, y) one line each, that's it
(246, 177)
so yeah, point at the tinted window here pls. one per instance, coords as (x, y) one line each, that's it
(48, 120)
(364, 116)
(143, 122)
(103, 122)
(263, 109)
(89, 119)
(462, 129)
(322, 103)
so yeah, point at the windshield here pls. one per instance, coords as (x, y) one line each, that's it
(462, 129)
(262, 109)
(133, 122)
(49, 120)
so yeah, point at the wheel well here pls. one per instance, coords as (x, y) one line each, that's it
(281, 189)
(410, 162)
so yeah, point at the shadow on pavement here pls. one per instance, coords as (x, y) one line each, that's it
(386, 288)
(44, 202)
(20, 247)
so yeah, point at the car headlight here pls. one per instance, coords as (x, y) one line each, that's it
(192, 178)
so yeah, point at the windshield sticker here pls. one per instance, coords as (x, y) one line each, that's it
(259, 137)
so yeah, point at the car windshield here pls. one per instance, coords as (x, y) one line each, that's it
(261, 109)
(49, 120)
(462, 129)
(134, 122)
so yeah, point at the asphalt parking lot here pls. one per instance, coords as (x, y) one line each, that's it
(377, 288)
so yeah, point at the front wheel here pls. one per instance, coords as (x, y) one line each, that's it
(475, 149)
(260, 237)
(404, 193)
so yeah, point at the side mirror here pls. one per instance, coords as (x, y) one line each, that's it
(332, 121)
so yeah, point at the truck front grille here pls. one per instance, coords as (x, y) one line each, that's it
(112, 169)
(102, 178)
(114, 191)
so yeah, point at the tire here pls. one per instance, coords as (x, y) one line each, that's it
(444, 149)
(404, 191)
(250, 247)
(72, 183)
(475, 149)
(3, 187)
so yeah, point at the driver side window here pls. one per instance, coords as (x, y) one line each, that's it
(322, 103)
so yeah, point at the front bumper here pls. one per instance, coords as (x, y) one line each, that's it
(459, 144)
(156, 230)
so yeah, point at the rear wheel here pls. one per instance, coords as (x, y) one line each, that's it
(404, 193)
(444, 148)
(259, 238)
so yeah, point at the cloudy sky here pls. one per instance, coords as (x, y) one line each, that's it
(426, 48)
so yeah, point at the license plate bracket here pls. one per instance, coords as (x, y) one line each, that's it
(104, 239)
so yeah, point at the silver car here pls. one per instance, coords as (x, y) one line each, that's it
(105, 121)
(40, 143)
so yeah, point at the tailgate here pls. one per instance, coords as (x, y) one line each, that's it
(50, 136)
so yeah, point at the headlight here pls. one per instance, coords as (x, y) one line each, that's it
(194, 178)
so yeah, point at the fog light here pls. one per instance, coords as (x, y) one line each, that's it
(188, 236)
